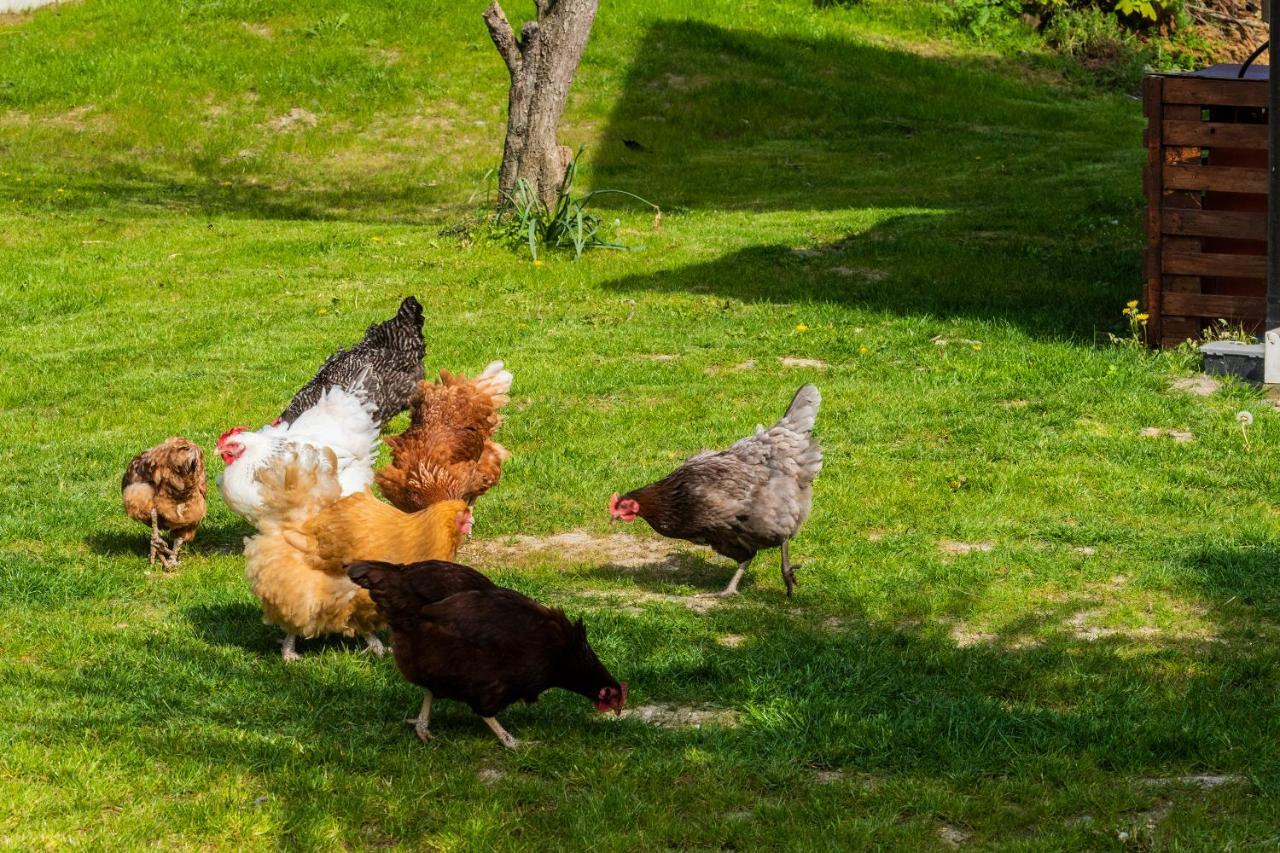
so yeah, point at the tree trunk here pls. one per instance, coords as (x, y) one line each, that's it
(542, 63)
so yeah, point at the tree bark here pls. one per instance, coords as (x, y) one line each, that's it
(542, 63)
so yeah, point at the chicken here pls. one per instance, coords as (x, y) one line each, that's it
(165, 487)
(390, 355)
(753, 496)
(448, 451)
(308, 533)
(340, 420)
(458, 636)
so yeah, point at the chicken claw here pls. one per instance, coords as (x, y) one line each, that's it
(503, 735)
(788, 570)
(288, 650)
(374, 645)
(422, 722)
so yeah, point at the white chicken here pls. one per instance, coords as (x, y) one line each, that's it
(340, 420)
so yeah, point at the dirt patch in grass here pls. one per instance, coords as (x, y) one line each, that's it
(796, 361)
(630, 600)
(731, 641)
(619, 549)
(1201, 386)
(296, 119)
(258, 29)
(951, 546)
(1205, 781)
(490, 775)
(953, 836)
(864, 273)
(1181, 436)
(682, 716)
(662, 356)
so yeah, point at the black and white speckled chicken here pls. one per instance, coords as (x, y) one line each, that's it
(384, 367)
(753, 496)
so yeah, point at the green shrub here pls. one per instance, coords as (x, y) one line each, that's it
(1100, 45)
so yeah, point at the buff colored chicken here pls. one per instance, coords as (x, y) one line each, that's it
(165, 487)
(309, 533)
(448, 451)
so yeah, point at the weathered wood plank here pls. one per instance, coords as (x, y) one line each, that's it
(1153, 188)
(1229, 179)
(1214, 264)
(1213, 306)
(1215, 223)
(1221, 134)
(1231, 93)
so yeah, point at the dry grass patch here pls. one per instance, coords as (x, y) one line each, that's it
(670, 716)
(620, 550)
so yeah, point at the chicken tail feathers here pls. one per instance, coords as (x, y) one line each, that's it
(803, 411)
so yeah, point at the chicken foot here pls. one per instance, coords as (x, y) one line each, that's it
(503, 735)
(159, 548)
(373, 644)
(288, 648)
(788, 571)
(421, 724)
(171, 560)
(732, 588)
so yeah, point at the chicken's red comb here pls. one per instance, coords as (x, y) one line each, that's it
(233, 431)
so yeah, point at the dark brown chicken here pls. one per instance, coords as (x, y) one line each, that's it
(165, 488)
(458, 636)
(753, 496)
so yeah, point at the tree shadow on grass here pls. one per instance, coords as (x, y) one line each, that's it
(899, 704)
(967, 191)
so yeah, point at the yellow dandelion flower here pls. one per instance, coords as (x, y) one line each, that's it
(977, 347)
(863, 350)
(323, 311)
(1132, 303)
(1142, 318)
(802, 328)
(537, 262)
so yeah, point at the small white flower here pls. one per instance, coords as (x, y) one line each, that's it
(1245, 418)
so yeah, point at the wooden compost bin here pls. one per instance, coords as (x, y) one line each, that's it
(1206, 188)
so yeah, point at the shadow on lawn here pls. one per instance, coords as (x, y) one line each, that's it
(955, 171)
(889, 702)
(210, 538)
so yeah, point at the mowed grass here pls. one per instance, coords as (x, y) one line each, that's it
(1020, 623)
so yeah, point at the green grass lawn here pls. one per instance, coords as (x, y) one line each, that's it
(1020, 624)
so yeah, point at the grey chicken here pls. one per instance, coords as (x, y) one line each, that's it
(740, 501)
(384, 367)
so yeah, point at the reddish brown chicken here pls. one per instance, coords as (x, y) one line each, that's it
(448, 451)
(165, 487)
(458, 636)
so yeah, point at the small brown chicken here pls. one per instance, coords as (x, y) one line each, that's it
(295, 564)
(448, 451)
(165, 487)
(458, 636)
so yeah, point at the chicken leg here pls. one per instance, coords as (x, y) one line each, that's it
(288, 649)
(788, 572)
(732, 588)
(421, 723)
(503, 735)
(374, 645)
(159, 548)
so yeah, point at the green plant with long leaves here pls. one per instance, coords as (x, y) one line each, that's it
(527, 220)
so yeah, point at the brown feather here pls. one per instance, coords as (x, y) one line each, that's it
(447, 452)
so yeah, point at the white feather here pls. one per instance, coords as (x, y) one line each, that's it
(340, 421)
